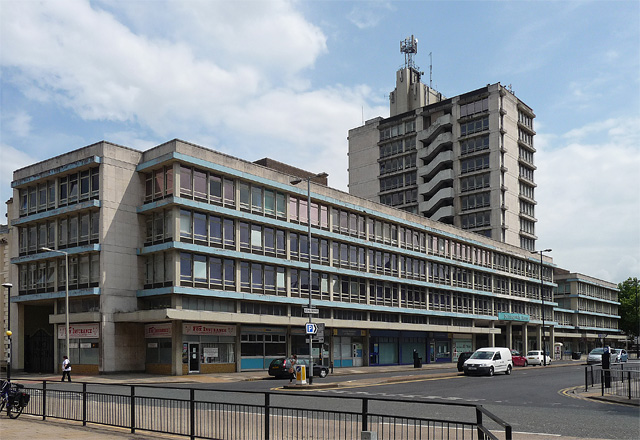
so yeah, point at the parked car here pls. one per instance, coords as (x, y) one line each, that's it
(278, 370)
(518, 359)
(595, 356)
(489, 361)
(621, 355)
(534, 357)
(462, 357)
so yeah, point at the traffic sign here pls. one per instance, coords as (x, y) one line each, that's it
(310, 311)
(311, 328)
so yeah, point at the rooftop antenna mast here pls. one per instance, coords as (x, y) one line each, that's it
(430, 70)
(409, 47)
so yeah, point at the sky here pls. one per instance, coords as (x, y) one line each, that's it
(288, 79)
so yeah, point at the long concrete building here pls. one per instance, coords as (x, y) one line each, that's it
(466, 160)
(185, 260)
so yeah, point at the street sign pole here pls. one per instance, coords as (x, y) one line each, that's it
(310, 274)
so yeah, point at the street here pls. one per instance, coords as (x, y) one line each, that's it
(531, 399)
(546, 401)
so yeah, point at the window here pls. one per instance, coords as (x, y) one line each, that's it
(474, 163)
(475, 126)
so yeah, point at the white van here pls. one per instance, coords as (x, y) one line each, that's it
(489, 361)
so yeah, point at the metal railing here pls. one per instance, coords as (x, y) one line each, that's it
(252, 415)
(615, 381)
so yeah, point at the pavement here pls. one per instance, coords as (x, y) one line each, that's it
(34, 428)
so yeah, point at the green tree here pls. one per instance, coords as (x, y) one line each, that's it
(628, 297)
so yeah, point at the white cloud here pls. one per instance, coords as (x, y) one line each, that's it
(88, 61)
(589, 199)
(10, 159)
(369, 14)
(18, 123)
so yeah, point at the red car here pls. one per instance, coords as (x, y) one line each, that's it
(518, 359)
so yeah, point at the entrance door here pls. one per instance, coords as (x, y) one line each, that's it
(194, 358)
(39, 352)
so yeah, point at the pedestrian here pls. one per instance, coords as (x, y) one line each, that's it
(292, 366)
(66, 368)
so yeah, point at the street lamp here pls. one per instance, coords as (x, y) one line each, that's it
(544, 339)
(295, 182)
(8, 286)
(66, 296)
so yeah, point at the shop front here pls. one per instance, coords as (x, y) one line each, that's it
(208, 348)
(461, 343)
(348, 347)
(260, 345)
(440, 348)
(158, 349)
(84, 347)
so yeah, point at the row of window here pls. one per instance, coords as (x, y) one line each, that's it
(71, 189)
(398, 181)
(50, 275)
(400, 198)
(475, 201)
(472, 108)
(476, 126)
(397, 147)
(397, 164)
(476, 220)
(397, 130)
(474, 144)
(219, 231)
(526, 173)
(525, 137)
(478, 181)
(61, 233)
(474, 164)
(209, 272)
(527, 208)
(525, 155)
(342, 221)
(525, 120)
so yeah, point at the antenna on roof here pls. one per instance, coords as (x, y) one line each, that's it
(409, 47)
(430, 70)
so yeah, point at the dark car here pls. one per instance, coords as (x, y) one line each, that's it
(463, 357)
(278, 370)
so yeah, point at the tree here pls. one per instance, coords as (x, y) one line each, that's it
(629, 314)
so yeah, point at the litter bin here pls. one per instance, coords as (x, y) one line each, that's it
(417, 362)
(576, 355)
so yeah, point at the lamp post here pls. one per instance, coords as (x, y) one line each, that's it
(295, 182)
(544, 339)
(66, 296)
(638, 321)
(8, 286)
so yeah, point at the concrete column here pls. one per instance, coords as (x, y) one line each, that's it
(525, 337)
(510, 335)
(539, 337)
(492, 336)
(176, 343)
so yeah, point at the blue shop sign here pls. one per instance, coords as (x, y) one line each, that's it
(513, 317)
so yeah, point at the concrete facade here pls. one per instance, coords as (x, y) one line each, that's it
(465, 161)
(186, 260)
(587, 314)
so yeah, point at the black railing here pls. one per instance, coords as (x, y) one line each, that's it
(252, 415)
(615, 381)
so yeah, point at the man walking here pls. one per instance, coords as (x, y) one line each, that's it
(66, 368)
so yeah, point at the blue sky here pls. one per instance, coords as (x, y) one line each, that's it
(288, 79)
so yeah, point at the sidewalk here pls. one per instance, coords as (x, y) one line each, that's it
(36, 429)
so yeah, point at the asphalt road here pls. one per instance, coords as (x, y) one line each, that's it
(532, 399)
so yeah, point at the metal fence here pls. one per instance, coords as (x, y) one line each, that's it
(615, 381)
(252, 415)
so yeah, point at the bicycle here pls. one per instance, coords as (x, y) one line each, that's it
(12, 396)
